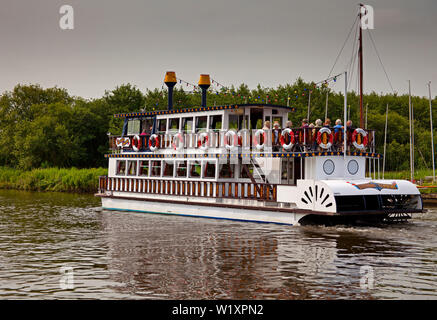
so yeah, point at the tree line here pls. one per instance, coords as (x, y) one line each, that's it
(50, 128)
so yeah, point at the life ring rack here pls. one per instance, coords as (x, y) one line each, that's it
(282, 140)
(154, 142)
(359, 139)
(325, 138)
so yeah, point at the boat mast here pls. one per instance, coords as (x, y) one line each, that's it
(360, 62)
(432, 133)
(411, 140)
(385, 141)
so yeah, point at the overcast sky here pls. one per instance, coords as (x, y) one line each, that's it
(236, 41)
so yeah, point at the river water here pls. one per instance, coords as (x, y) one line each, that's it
(56, 246)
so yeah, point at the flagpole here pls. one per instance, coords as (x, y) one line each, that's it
(326, 106)
(409, 118)
(345, 115)
(309, 105)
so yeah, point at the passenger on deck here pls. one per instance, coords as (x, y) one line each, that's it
(318, 123)
(276, 136)
(311, 136)
(338, 135)
(289, 125)
(304, 135)
(144, 139)
(327, 123)
(349, 131)
(338, 126)
(266, 125)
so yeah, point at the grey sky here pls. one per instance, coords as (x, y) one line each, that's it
(252, 41)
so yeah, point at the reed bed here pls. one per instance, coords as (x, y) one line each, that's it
(52, 179)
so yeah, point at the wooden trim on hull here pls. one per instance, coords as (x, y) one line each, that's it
(264, 208)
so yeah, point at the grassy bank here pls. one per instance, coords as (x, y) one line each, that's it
(419, 175)
(51, 179)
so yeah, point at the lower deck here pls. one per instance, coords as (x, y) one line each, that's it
(244, 196)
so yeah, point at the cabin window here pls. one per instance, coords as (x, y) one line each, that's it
(147, 126)
(155, 168)
(209, 170)
(162, 126)
(121, 167)
(215, 122)
(227, 171)
(187, 124)
(181, 169)
(243, 173)
(287, 171)
(173, 124)
(274, 111)
(131, 168)
(235, 121)
(144, 168)
(201, 123)
(133, 126)
(195, 169)
(168, 169)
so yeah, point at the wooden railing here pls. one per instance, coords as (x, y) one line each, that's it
(210, 189)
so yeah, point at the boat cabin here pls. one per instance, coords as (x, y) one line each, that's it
(231, 143)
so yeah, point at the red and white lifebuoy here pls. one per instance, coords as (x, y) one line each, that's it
(233, 137)
(256, 140)
(291, 135)
(154, 142)
(359, 139)
(136, 143)
(178, 141)
(325, 138)
(202, 141)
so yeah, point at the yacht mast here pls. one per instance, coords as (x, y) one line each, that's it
(360, 63)
(432, 133)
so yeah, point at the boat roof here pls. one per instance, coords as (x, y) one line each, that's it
(198, 109)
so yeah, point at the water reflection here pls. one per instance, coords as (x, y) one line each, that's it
(129, 255)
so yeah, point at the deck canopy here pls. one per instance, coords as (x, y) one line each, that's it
(198, 109)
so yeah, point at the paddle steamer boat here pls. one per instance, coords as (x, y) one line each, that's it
(218, 162)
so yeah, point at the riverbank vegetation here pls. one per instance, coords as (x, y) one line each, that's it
(45, 128)
(51, 179)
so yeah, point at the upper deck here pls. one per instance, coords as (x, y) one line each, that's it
(233, 129)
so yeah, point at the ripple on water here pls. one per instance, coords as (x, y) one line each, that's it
(130, 255)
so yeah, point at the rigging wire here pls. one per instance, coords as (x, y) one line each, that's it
(380, 61)
(351, 67)
(344, 44)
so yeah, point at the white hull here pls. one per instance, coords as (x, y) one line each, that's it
(243, 214)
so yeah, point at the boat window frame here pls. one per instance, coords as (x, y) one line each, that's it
(117, 172)
(189, 164)
(148, 168)
(210, 122)
(166, 162)
(196, 123)
(184, 124)
(151, 168)
(135, 169)
(158, 120)
(170, 120)
(204, 164)
(233, 168)
(131, 120)
(176, 169)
